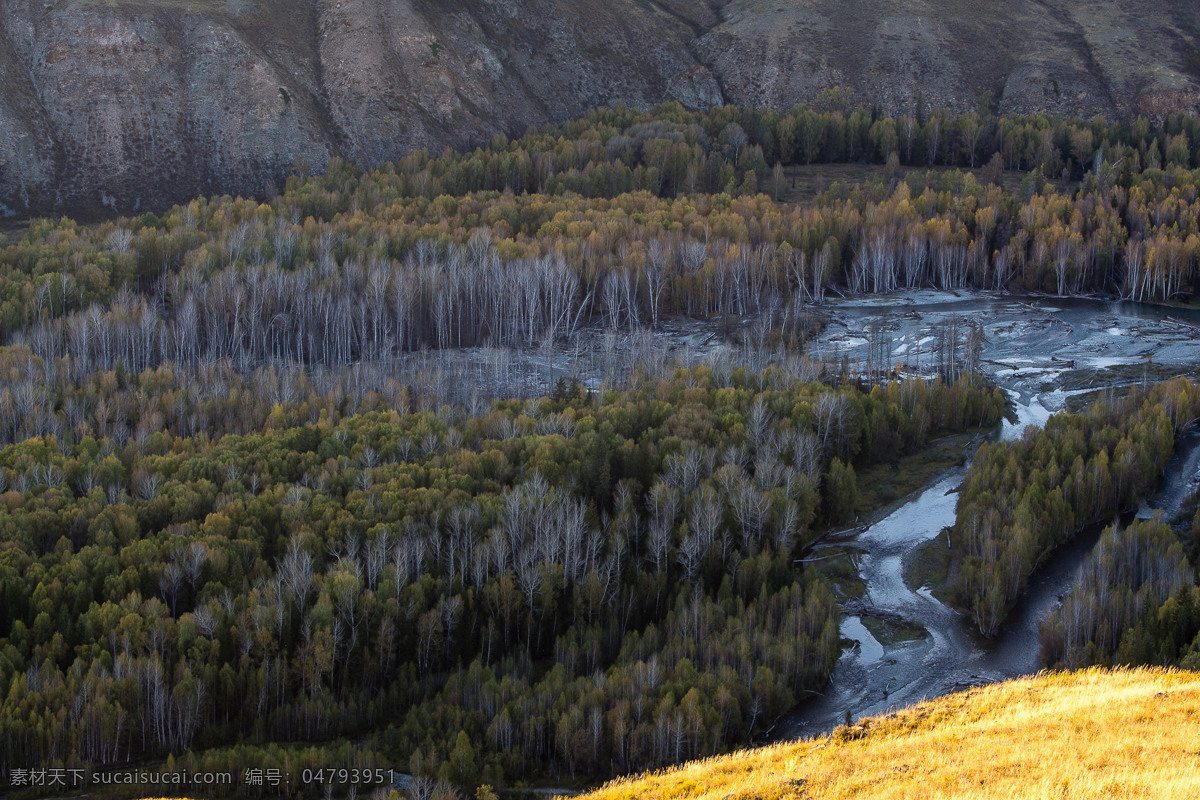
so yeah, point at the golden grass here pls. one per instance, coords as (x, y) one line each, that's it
(1090, 734)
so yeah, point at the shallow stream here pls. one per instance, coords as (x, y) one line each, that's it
(1041, 352)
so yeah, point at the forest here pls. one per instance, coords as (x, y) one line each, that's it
(278, 485)
(1137, 600)
(1136, 603)
(582, 584)
(532, 239)
(1022, 499)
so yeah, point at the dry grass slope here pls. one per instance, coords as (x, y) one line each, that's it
(1091, 734)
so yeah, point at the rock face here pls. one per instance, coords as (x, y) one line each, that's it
(129, 104)
(1083, 57)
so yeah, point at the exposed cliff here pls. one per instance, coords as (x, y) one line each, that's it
(130, 103)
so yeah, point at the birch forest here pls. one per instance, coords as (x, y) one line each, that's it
(279, 486)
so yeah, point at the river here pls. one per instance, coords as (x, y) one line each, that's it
(1041, 352)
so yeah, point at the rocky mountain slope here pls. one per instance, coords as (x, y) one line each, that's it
(131, 103)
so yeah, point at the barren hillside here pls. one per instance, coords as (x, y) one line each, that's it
(131, 103)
